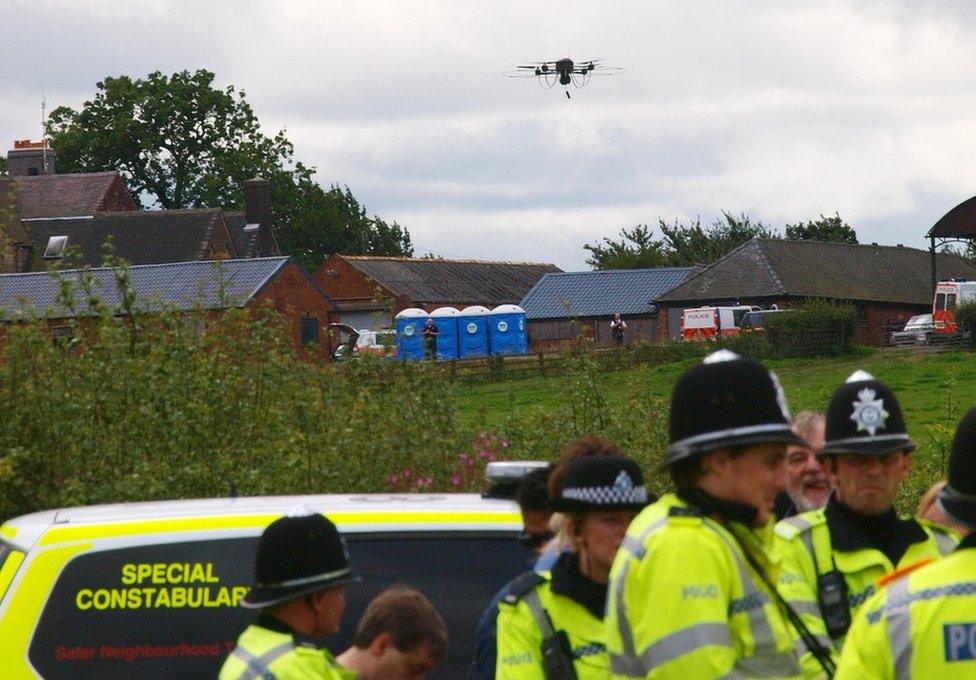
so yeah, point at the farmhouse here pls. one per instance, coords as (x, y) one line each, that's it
(371, 290)
(886, 284)
(560, 304)
(64, 221)
(278, 282)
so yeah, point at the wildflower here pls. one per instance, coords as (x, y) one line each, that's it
(456, 480)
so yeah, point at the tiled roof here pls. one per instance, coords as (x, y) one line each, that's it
(453, 281)
(960, 222)
(764, 268)
(60, 195)
(140, 237)
(179, 286)
(245, 242)
(600, 293)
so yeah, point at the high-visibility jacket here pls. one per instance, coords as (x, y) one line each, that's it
(684, 601)
(805, 551)
(265, 654)
(922, 625)
(521, 620)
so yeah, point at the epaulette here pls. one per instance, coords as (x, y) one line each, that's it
(678, 511)
(522, 585)
(902, 572)
(791, 527)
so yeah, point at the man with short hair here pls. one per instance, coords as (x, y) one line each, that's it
(400, 637)
(301, 574)
(832, 558)
(923, 624)
(810, 486)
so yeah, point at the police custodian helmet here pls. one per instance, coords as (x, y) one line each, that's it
(297, 556)
(727, 400)
(958, 498)
(864, 417)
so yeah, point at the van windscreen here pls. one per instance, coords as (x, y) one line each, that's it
(170, 610)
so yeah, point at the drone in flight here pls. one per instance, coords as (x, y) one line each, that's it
(563, 71)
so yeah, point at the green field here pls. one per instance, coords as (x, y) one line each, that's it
(935, 390)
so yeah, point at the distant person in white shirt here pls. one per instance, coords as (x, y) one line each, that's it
(617, 328)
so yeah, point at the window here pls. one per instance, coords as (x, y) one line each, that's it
(55, 247)
(950, 302)
(310, 330)
(940, 301)
(62, 334)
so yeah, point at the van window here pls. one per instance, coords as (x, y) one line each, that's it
(950, 304)
(169, 610)
(7, 575)
(737, 315)
(940, 301)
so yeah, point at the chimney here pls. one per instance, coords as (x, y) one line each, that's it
(257, 216)
(28, 158)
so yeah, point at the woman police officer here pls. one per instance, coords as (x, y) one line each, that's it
(550, 625)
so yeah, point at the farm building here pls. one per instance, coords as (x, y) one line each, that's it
(371, 289)
(64, 221)
(886, 284)
(561, 303)
(181, 287)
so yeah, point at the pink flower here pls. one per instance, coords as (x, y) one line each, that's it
(465, 457)
(456, 480)
(407, 473)
(394, 479)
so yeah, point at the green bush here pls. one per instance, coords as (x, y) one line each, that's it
(816, 328)
(966, 317)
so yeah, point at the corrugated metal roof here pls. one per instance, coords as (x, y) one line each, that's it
(771, 268)
(426, 281)
(179, 286)
(600, 293)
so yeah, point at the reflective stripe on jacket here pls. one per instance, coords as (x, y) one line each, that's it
(520, 637)
(684, 602)
(921, 626)
(263, 654)
(802, 539)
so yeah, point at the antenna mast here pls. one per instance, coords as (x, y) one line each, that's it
(43, 112)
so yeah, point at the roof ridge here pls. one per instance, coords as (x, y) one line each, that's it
(103, 173)
(397, 258)
(186, 263)
(770, 269)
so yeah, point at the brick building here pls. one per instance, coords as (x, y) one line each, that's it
(371, 290)
(277, 282)
(885, 284)
(48, 216)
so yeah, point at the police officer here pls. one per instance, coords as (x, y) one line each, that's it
(550, 624)
(692, 591)
(301, 571)
(923, 625)
(831, 558)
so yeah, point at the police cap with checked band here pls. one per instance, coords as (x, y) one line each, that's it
(601, 483)
(864, 417)
(724, 401)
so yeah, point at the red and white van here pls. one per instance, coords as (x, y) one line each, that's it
(948, 296)
(707, 323)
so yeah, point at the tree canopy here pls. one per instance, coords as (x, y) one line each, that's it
(824, 229)
(180, 142)
(682, 245)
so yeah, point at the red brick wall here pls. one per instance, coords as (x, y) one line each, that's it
(874, 321)
(291, 294)
(118, 198)
(220, 246)
(344, 282)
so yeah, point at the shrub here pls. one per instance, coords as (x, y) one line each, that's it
(966, 317)
(816, 328)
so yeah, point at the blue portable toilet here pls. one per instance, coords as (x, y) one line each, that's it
(473, 331)
(409, 330)
(446, 320)
(507, 331)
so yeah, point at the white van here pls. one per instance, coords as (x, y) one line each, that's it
(150, 590)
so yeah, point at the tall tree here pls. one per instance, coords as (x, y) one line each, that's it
(693, 244)
(180, 142)
(636, 248)
(824, 229)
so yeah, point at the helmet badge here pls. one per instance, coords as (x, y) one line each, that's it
(869, 413)
(623, 482)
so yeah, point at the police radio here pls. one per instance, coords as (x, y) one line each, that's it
(557, 657)
(832, 596)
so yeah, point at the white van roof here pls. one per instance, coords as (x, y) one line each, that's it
(413, 511)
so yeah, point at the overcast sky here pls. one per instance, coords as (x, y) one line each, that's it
(780, 110)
